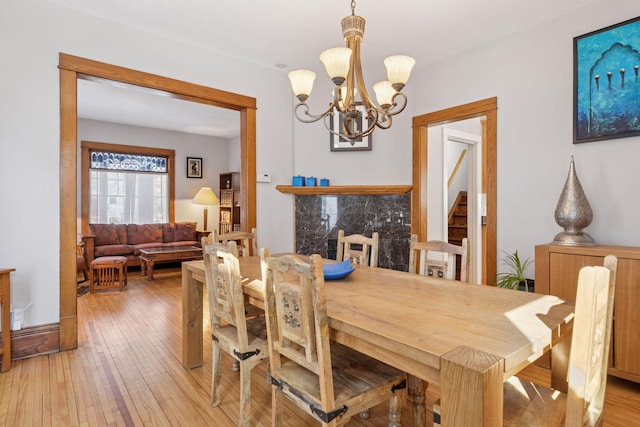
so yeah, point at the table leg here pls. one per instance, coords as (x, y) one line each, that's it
(560, 364)
(471, 388)
(416, 389)
(192, 305)
(143, 266)
(150, 270)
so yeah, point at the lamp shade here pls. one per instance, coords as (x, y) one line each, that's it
(302, 82)
(399, 68)
(336, 62)
(343, 95)
(384, 93)
(205, 196)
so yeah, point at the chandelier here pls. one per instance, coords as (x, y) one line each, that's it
(345, 70)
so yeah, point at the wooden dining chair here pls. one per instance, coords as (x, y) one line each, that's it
(327, 380)
(247, 241)
(422, 261)
(348, 248)
(230, 330)
(529, 404)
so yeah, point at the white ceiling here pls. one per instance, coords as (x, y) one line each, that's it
(294, 32)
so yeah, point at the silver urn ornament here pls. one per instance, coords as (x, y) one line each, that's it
(573, 213)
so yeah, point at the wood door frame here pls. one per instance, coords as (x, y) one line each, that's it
(71, 69)
(488, 109)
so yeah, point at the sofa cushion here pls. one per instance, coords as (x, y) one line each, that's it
(136, 248)
(183, 243)
(113, 250)
(106, 234)
(168, 232)
(185, 231)
(121, 229)
(144, 233)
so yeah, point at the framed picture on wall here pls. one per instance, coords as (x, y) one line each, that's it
(343, 144)
(194, 167)
(606, 83)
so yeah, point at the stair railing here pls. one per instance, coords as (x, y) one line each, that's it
(455, 169)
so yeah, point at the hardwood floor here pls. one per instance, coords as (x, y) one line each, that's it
(127, 371)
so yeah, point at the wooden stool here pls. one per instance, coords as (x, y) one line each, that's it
(110, 273)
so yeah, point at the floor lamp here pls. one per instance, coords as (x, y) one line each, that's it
(205, 197)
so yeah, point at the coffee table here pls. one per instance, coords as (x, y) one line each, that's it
(148, 257)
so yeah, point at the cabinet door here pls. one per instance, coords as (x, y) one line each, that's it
(564, 270)
(627, 316)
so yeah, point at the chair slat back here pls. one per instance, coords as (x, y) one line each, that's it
(247, 241)
(422, 260)
(367, 255)
(224, 288)
(591, 339)
(297, 323)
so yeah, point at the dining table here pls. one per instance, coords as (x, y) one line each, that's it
(465, 338)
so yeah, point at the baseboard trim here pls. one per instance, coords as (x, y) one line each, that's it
(35, 341)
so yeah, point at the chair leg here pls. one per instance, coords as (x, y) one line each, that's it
(276, 407)
(215, 375)
(85, 273)
(245, 394)
(396, 403)
(91, 278)
(120, 278)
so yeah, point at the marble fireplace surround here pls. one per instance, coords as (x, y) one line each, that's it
(322, 211)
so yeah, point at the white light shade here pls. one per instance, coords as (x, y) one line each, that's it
(399, 68)
(302, 81)
(206, 197)
(343, 95)
(336, 61)
(384, 93)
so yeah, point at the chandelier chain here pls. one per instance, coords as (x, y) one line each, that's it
(353, 7)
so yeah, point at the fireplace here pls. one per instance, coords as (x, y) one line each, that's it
(319, 217)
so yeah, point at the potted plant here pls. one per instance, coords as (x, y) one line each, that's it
(515, 279)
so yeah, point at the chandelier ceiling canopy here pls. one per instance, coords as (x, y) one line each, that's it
(351, 100)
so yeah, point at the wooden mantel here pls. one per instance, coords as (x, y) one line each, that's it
(371, 190)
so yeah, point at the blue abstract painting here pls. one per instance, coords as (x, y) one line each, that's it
(606, 83)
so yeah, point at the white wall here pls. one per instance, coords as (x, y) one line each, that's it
(215, 154)
(32, 33)
(531, 73)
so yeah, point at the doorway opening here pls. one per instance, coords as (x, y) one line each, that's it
(423, 207)
(462, 192)
(71, 69)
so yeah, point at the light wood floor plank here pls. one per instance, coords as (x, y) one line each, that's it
(127, 371)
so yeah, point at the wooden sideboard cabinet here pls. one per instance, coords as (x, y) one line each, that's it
(556, 273)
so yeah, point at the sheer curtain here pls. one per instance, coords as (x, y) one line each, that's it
(128, 197)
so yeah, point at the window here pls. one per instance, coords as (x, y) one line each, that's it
(126, 184)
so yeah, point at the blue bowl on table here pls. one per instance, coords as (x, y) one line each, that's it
(338, 270)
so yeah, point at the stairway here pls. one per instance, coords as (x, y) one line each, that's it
(458, 219)
(458, 224)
